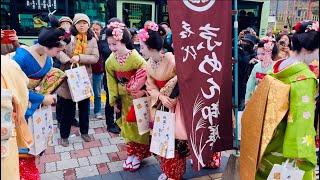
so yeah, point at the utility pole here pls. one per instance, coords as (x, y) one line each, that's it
(293, 13)
(309, 10)
(275, 23)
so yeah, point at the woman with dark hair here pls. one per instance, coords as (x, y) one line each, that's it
(135, 39)
(284, 46)
(162, 86)
(266, 51)
(83, 49)
(278, 120)
(36, 63)
(121, 65)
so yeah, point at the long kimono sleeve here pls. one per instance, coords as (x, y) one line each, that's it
(299, 137)
(36, 99)
(251, 84)
(111, 82)
(152, 87)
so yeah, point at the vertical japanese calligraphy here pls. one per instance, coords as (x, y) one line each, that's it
(202, 42)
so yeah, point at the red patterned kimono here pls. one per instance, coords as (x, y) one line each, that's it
(28, 169)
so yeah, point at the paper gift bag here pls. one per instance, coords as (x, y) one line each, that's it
(41, 126)
(142, 111)
(286, 171)
(79, 83)
(163, 134)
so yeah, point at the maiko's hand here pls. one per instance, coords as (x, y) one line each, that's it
(116, 108)
(138, 94)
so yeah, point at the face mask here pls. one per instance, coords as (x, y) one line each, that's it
(246, 47)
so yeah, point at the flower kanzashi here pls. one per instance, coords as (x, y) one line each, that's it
(314, 26)
(117, 30)
(143, 33)
(268, 43)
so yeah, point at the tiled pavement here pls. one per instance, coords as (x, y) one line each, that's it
(101, 158)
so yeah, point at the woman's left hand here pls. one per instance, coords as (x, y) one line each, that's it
(138, 94)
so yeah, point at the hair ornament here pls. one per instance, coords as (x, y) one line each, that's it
(143, 33)
(117, 30)
(268, 43)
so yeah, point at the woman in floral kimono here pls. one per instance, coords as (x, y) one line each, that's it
(120, 66)
(265, 52)
(36, 62)
(278, 120)
(162, 87)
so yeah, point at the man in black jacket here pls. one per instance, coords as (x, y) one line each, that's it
(105, 53)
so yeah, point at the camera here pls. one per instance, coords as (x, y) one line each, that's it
(282, 43)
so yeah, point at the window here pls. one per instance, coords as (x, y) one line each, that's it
(5, 14)
(135, 15)
(95, 9)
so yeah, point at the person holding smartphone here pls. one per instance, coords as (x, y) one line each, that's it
(284, 44)
(9, 41)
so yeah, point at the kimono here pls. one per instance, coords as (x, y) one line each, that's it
(118, 75)
(278, 123)
(256, 75)
(14, 80)
(26, 58)
(159, 77)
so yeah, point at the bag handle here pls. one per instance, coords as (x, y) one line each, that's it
(74, 64)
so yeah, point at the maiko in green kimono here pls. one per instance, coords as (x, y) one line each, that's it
(121, 65)
(278, 120)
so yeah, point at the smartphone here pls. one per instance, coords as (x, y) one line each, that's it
(5, 39)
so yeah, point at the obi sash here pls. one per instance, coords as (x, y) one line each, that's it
(124, 76)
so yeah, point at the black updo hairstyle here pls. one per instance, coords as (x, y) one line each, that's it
(126, 38)
(274, 50)
(284, 34)
(155, 40)
(51, 37)
(308, 40)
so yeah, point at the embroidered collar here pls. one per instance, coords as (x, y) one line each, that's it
(122, 59)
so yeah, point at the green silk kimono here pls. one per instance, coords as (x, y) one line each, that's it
(129, 130)
(294, 137)
(277, 123)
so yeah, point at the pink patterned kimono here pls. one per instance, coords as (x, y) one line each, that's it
(161, 79)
